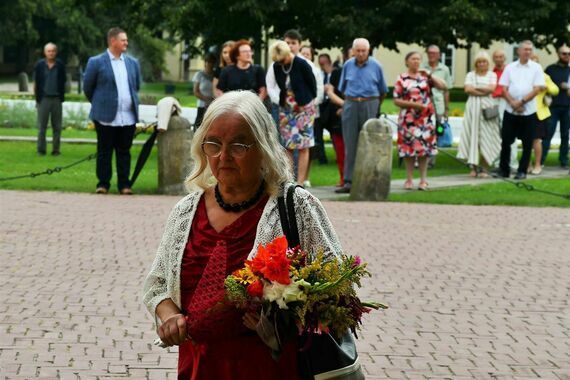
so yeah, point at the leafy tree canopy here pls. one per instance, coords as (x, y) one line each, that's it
(329, 23)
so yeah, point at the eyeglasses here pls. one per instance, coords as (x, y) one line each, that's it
(214, 149)
(564, 53)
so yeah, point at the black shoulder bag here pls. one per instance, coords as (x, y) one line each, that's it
(320, 356)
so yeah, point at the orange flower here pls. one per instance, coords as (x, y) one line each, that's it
(271, 261)
(278, 247)
(277, 269)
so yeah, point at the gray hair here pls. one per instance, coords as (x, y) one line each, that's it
(432, 46)
(525, 42)
(361, 41)
(50, 44)
(276, 168)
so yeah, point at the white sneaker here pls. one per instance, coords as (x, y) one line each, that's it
(307, 184)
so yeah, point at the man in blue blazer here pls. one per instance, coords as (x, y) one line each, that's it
(111, 82)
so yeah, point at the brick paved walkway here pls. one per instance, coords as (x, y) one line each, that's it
(474, 292)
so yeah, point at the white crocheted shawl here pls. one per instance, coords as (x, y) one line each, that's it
(163, 281)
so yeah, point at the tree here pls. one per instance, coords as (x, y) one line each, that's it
(79, 27)
(330, 23)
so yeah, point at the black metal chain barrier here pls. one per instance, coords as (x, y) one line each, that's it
(480, 169)
(92, 156)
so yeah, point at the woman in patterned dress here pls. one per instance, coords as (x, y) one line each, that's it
(298, 89)
(481, 138)
(416, 128)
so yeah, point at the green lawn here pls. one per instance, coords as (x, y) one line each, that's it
(66, 133)
(18, 158)
(327, 175)
(494, 194)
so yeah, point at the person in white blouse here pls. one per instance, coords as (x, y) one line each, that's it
(480, 142)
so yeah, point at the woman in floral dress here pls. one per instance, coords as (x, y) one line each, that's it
(416, 128)
(298, 89)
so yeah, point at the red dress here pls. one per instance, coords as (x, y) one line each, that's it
(228, 349)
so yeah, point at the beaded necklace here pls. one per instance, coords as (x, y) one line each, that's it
(237, 207)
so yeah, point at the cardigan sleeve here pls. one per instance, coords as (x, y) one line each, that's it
(155, 289)
(315, 229)
(309, 79)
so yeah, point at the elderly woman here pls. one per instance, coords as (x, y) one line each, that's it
(416, 128)
(298, 89)
(481, 136)
(243, 74)
(232, 209)
(225, 60)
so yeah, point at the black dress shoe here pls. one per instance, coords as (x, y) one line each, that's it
(500, 173)
(343, 190)
(520, 175)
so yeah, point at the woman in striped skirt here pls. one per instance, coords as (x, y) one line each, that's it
(480, 142)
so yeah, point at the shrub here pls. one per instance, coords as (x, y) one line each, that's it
(20, 115)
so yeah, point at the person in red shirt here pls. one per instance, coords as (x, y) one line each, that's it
(499, 59)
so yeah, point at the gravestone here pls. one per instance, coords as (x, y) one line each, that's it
(67, 83)
(373, 166)
(23, 82)
(174, 160)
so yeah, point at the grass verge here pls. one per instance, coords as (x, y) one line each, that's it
(498, 194)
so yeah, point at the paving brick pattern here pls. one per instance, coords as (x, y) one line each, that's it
(474, 292)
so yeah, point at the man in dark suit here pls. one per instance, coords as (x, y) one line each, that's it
(111, 82)
(49, 89)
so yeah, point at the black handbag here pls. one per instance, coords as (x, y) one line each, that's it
(320, 356)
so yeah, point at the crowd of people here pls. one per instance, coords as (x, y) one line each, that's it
(505, 102)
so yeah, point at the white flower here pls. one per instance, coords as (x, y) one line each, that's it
(296, 291)
(284, 294)
(274, 292)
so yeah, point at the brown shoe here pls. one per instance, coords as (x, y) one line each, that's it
(101, 190)
(126, 191)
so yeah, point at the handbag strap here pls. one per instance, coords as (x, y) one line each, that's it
(288, 218)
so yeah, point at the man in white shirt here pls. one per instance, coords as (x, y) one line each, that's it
(522, 80)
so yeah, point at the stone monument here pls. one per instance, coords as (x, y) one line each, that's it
(373, 166)
(174, 160)
(23, 82)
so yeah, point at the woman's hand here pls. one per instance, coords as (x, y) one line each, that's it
(419, 106)
(250, 320)
(173, 331)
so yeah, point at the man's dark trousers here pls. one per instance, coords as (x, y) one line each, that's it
(517, 126)
(119, 139)
(49, 106)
